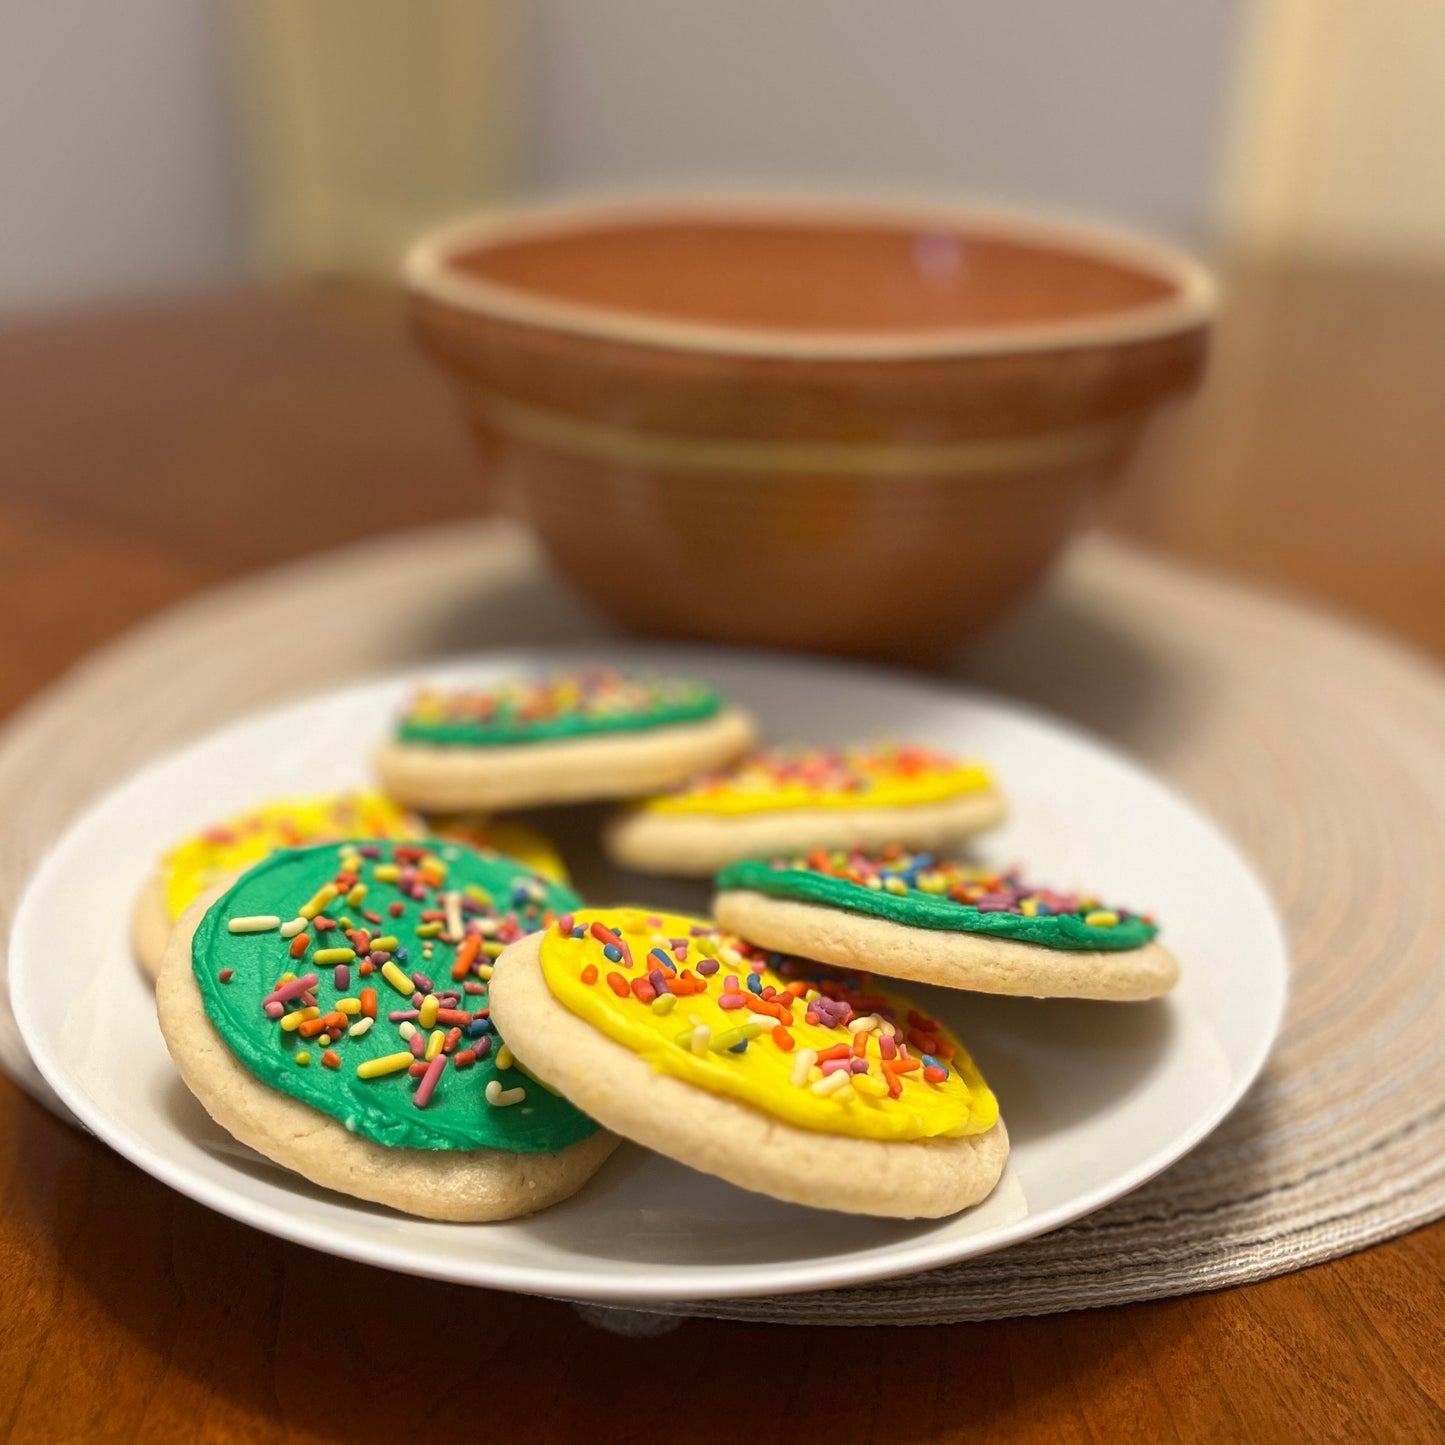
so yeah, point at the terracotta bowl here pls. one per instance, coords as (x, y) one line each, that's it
(858, 428)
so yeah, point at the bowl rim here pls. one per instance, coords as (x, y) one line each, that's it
(427, 272)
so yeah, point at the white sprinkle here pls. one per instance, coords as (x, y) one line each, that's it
(701, 1038)
(453, 903)
(864, 1024)
(291, 929)
(803, 1060)
(406, 1028)
(838, 1079)
(359, 1028)
(256, 923)
(503, 1098)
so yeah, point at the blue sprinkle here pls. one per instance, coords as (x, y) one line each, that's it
(579, 932)
(663, 960)
(741, 1048)
(401, 955)
(612, 952)
(478, 1027)
(755, 983)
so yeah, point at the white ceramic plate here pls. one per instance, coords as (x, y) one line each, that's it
(1098, 1097)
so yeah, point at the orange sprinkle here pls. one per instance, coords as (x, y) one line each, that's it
(467, 955)
(451, 1040)
(860, 1043)
(838, 1051)
(368, 1002)
(464, 1058)
(300, 944)
(895, 1084)
(589, 974)
(905, 1066)
(618, 985)
(331, 1059)
(783, 1039)
(311, 1028)
(366, 968)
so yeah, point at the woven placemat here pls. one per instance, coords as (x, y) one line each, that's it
(1317, 747)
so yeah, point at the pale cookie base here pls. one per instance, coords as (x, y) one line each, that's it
(696, 844)
(923, 1179)
(955, 960)
(459, 1186)
(565, 770)
(150, 925)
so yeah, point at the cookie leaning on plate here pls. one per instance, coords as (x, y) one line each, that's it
(329, 1009)
(917, 917)
(795, 799)
(777, 1075)
(558, 739)
(195, 864)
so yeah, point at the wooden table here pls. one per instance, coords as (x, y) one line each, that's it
(149, 454)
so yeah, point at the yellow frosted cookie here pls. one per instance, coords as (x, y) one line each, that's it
(795, 799)
(197, 863)
(779, 1075)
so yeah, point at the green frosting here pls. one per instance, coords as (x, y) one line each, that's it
(458, 1115)
(1065, 931)
(670, 702)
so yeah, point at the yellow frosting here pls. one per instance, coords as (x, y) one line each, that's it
(879, 776)
(765, 1075)
(200, 861)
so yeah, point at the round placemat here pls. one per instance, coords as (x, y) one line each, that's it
(1315, 745)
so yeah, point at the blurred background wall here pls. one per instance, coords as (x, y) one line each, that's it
(202, 139)
(119, 164)
(152, 143)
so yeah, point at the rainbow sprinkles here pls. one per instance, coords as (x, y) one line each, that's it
(569, 705)
(923, 891)
(824, 1050)
(355, 978)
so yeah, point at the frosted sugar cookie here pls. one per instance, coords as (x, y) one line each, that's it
(796, 799)
(197, 863)
(911, 915)
(778, 1075)
(558, 739)
(330, 1009)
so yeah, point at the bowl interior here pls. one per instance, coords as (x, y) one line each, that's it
(821, 273)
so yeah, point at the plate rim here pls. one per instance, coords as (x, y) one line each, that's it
(686, 1282)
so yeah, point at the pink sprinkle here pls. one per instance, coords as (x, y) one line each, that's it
(731, 984)
(273, 1009)
(427, 1087)
(417, 1043)
(887, 1047)
(736, 999)
(483, 1046)
(831, 1066)
(341, 978)
(226, 975)
(291, 990)
(378, 956)
(472, 986)
(401, 1015)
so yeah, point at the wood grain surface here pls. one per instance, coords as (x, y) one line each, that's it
(151, 453)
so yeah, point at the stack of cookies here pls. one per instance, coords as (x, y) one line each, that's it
(402, 998)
